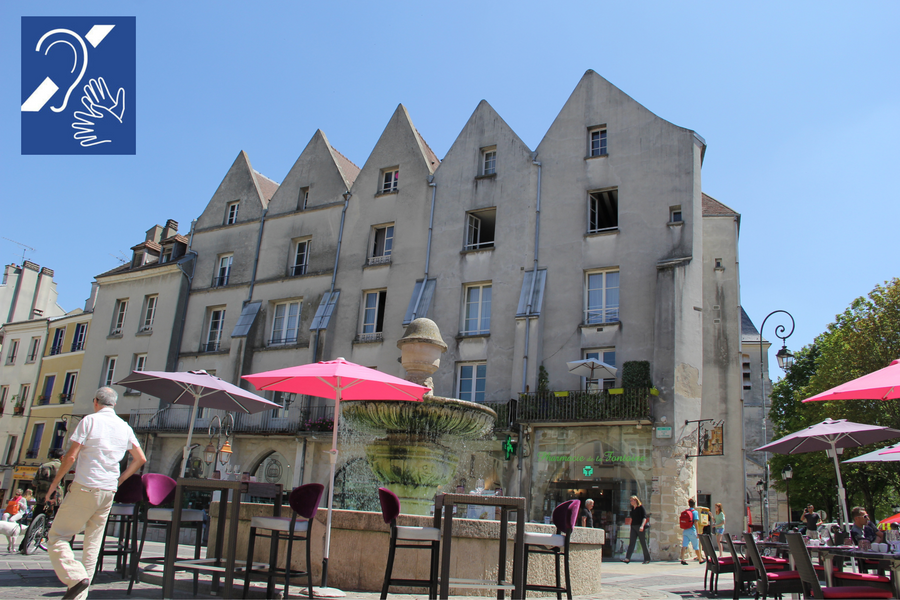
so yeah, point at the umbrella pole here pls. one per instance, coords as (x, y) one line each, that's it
(333, 459)
(187, 447)
(842, 499)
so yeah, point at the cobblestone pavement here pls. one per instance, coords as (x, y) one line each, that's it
(31, 577)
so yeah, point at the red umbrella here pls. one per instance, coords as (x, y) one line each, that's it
(340, 380)
(196, 389)
(889, 521)
(883, 384)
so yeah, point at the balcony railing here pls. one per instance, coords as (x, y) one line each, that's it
(43, 400)
(209, 347)
(380, 260)
(65, 398)
(54, 350)
(297, 270)
(31, 453)
(549, 407)
(176, 419)
(220, 280)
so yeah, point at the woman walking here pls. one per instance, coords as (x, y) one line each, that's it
(720, 526)
(639, 521)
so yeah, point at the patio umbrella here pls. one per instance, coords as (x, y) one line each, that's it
(196, 389)
(591, 368)
(888, 454)
(830, 435)
(340, 380)
(883, 384)
(886, 523)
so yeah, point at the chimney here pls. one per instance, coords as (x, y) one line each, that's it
(171, 229)
(153, 234)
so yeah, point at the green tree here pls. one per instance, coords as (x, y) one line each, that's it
(862, 339)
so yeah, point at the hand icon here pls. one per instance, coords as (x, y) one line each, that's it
(104, 114)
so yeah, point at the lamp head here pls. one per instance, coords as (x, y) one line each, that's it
(225, 453)
(209, 453)
(787, 473)
(785, 359)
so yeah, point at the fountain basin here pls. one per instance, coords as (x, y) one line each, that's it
(434, 416)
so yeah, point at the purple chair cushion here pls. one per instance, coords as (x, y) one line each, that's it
(131, 491)
(390, 504)
(159, 489)
(305, 499)
(565, 515)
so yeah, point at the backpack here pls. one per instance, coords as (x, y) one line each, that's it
(686, 520)
(44, 477)
(13, 506)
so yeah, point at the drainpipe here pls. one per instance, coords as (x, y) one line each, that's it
(337, 256)
(262, 224)
(433, 187)
(187, 297)
(191, 238)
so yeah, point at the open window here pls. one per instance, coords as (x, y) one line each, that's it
(480, 229)
(603, 210)
(382, 244)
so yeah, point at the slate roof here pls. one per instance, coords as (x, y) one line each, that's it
(714, 208)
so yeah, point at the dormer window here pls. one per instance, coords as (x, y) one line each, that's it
(489, 160)
(166, 255)
(390, 179)
(231, 213)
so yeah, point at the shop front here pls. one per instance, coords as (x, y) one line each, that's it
(607, 464)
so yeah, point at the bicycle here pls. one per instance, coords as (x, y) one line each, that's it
(38, 529)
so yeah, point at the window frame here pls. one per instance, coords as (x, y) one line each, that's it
(676, 215)
(209, 345)
(601, 148)
(488, 161)
(13, 351)
(220, 279)
(59, 338)
(34, 351)
(118, 324)
(601, 355)
(473, 394)
(109, 370)
(605, 307)
(140, 362)
(381, 255)
(300, 268)
(476, 230)
(303, 199)
(372, 329)
(37, 433)
(79, 337)
(284, 339)
(389, 182)
(231, 212)
(594, 210)
(49, 384)
(479, 318)
(151, 301)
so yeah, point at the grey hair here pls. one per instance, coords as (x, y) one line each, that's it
(106, 396)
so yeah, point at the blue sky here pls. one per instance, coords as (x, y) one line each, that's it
(797, 101)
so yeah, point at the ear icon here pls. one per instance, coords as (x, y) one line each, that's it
(48, 86)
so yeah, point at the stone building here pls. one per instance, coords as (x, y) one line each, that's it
(597, 244)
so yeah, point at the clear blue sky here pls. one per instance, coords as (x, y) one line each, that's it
(798, 102)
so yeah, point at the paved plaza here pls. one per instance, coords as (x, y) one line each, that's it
(31, 577)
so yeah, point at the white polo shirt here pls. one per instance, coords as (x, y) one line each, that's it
(105, 439)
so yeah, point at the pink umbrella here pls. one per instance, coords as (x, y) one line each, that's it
(883, 384)
(196, 389)
(831, 435)
(340, 380)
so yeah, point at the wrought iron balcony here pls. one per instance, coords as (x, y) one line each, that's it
(572, 406)
(209, 347)
(54, 350)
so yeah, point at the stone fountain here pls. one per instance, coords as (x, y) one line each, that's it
(410, 454)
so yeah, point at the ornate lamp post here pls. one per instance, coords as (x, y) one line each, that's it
(785, 361)
(217, 428)
(787, 474)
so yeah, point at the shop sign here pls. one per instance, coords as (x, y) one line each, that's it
(663, 432)
(25, 472)
(606, 457)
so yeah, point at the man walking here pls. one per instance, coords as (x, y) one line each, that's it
(587, 514)
(689, 535)
(99, 443)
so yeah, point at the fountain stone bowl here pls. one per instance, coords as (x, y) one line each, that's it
(409, 456)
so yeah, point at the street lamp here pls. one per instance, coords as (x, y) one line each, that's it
(787, 474)
(785, 361)
(760, 486)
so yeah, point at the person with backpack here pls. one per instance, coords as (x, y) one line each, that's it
(15, 508)
(688, 521)
(45, 475)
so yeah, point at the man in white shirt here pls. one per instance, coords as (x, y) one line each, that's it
(99, 443)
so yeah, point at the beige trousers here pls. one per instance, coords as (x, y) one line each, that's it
(84, 509)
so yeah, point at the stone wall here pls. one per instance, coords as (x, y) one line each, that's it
(675, 482)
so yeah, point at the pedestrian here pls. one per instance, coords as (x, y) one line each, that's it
(98, 444)
(587, 515)
(639, 521)
(811, 517)
(16, 507)
(689, 534)
(720, 526)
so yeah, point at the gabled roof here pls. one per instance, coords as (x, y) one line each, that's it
(349, 170)
(267, 187)
(714, 208)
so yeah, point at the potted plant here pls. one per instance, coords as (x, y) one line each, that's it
(63, 398)
(43, 400)
(18, 406)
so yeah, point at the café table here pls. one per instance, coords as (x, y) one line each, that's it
(222, 560)
(444, 503)
(828, 554)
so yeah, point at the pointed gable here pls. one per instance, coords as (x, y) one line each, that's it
(243, 185)
(321, 171)
(400, 146)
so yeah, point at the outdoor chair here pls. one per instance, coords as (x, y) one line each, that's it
(771, 582)
(124, 513)
(811, 586)
(304, 502)
(418, 538)
(743, 575)
(557, 544)
(158, 490)
(714, 565)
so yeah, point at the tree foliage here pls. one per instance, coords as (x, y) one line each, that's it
(862, 339)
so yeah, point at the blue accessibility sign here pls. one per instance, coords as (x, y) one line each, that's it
(78, 85)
